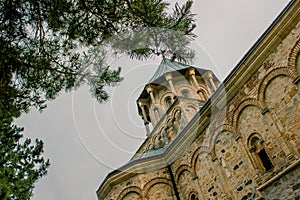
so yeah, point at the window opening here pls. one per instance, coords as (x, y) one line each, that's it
(185, 94)
(265, 159)
(261, 155)
(168, 102)
(194, 197)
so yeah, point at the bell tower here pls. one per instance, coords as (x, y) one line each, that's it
(170, 99)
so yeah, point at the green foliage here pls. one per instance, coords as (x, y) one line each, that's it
(161, 34)
(21, 164)
(50, 46)
(45, 43)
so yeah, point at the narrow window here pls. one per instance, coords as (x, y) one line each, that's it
(260, 154)
(193, 197)
(168, 102)
(185, 94)
(265, 159)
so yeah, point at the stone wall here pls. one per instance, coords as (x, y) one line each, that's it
(152, 185)
(287, 187)
(262, 122)
(249, 146)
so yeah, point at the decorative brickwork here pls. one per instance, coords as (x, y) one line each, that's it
(248, 149)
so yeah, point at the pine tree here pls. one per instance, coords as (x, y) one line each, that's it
(21, 163)
(50, 46)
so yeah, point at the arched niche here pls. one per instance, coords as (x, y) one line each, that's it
(132, 196)
(159, 189)
(234, 164)
(186, 182)
(252, 120)
(130, 193)
(209, 178)
(282, 98)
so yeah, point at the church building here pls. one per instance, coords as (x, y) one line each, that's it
(231, 140)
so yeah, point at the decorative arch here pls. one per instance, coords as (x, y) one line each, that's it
(208, 175)
(217, 131)
(172, 120)
(189, 178)
(269, 77)
(187, 88)
(193, 195)
(259, 154)
(252, 136)
(171, 116)
(164, 97)
(169, 120)
(162, 129)
(191, 105)
(149, 145)
(180, 170)
(294, 53)
(197, 152)
(281, 95)
(241, 106)
(154, 182)
(128, 190)
(204, 91)
(175, 111)
(153, 138)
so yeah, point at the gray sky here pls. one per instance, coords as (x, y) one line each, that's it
(84, 140)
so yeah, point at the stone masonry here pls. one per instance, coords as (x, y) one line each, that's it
(236, 140)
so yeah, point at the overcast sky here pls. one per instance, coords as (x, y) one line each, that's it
(84, 140)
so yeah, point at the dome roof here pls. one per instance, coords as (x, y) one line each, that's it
(168, 66)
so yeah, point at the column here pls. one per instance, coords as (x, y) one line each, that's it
(150, 89)
(169, 79)
(150, 92)
(195, 83)
(146, 122)
(210, 80)
(157, 115)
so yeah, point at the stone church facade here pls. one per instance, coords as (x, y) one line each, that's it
(237, 140)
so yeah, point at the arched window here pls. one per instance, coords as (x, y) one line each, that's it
(185, 93)
(168, 101)
(259, 153)
(193, 197)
